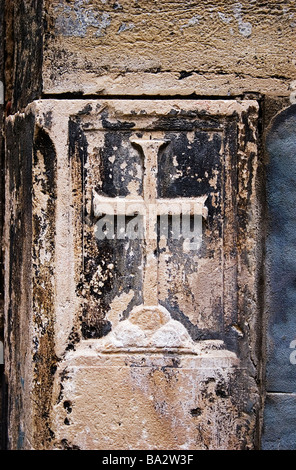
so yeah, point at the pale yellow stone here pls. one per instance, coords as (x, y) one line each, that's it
(140, 401)
(168, 48)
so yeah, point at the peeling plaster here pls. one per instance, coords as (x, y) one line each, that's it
(226, 19)
(192, 22)
(245, 28)
(125, 27)
(75, 20)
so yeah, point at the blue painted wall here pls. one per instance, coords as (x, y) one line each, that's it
(279, 430)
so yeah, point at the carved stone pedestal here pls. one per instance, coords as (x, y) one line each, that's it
(150, 400)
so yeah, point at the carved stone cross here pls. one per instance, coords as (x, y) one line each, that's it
(150, 207)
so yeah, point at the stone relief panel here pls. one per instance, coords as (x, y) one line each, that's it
(155, 189)
(146, 237)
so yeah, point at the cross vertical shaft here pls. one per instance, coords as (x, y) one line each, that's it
(151, 207)
(150, 150)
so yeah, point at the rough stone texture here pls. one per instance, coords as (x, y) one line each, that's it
(76, 308)
(23, 52)
(18, 293)
(149, 48)
(68, 313)
(151, 401)
(73, 308)
(213, 48)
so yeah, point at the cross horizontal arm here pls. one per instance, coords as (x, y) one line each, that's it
(131, 206)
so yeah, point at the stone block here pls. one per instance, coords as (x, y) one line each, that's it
(167, 318)
(150, 48)
(135, 401)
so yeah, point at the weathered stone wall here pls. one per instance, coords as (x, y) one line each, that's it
(139, 319)
(23, 52)
(169, 47)
(149, 47)
(79, 303)
(18, 262)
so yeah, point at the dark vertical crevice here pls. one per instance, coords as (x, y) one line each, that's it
(2, 381)
(7, 42)
(23, 46)
(260, 344)
(28, 46)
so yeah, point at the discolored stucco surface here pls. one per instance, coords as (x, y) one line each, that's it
(281, 145)
(278, 430)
